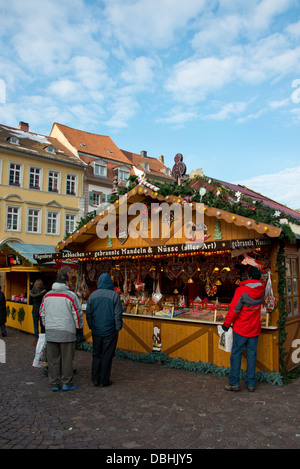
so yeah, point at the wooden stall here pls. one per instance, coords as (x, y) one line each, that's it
(176, 288)
(18, 272)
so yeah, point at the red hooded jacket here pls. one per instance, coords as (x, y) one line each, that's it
(245, 308)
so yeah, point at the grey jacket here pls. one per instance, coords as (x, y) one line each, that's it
(61, 314)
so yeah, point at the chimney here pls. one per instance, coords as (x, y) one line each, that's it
(144, 154)
(161, 159)
(24, 126)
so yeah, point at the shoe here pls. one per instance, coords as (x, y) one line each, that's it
(69, 387)
(251, 388)
(231, 388)
(56, 388)
(105, 385)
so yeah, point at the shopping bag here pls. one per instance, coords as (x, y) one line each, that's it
(226, 338)
(40, 358)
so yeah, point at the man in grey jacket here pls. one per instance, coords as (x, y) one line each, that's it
(104, 317)
(61, 315)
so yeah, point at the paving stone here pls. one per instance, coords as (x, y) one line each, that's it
(148, 407)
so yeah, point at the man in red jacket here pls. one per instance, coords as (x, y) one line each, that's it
(244, 317)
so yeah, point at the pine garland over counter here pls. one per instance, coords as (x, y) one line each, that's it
(179, 363)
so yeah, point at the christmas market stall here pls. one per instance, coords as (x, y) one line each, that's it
(176, 255)
(18, 272)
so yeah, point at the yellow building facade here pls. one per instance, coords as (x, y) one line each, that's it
(41, 188)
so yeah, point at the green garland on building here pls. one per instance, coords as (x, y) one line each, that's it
(273, 378)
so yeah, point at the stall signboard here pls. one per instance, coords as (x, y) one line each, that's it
(183, 248)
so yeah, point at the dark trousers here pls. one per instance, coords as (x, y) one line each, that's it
(103, 352)
(60, 357)
(36, 321)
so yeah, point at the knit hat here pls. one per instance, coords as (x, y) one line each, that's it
(254, 273)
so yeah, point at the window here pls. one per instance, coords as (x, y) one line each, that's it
(52, 223)
(15, 174)
(13, 218)
(70, 224)
(123, 175)
(33, 220)
(292, 286)
(53, 181)
(96, 198)
(34, 178)
(100, 170)
(51, 149)
(71, 184)
(14, 140)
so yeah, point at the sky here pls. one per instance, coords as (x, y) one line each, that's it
(215, 80)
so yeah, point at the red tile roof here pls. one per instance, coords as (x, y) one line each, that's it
(87, 143)
(155, 165)
(36, 144)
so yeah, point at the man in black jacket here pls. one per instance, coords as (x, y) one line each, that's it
(104, 317)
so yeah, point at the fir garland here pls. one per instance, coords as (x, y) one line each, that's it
(179, 363)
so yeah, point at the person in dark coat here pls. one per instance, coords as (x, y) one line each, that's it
(2, 313)
(104, 317)
(35, 298)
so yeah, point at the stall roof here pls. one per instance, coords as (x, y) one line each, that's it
(199, 182)
(137, 194)
(27, 251)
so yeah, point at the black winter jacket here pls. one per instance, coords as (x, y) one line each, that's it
(35, 299)
(104, 308)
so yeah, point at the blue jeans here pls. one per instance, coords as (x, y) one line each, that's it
(239, 343)
(36, 321)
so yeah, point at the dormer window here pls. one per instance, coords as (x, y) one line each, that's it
(14, 140)
(146, 166)
(51, 149)
(100, 170)
(123, 175)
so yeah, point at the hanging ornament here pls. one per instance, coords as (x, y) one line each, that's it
(202, 192)
(218, 233)
(109, 242)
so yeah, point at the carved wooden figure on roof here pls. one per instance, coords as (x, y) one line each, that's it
(179, 168)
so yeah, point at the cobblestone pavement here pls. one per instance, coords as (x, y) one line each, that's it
(147, 407)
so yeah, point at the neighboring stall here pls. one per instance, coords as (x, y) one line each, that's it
(18, 272)
(176, 290)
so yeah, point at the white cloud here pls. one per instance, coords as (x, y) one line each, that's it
(64, 89)
(283, 187)
(191, 80)
(150, 22)
(139, 71)
(227, 111)
(178, 117)
(122, 110)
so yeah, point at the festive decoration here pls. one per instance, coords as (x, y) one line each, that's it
(218, 232)
(148, 184)
(252, 262)
(156, 339)
(179, 168)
